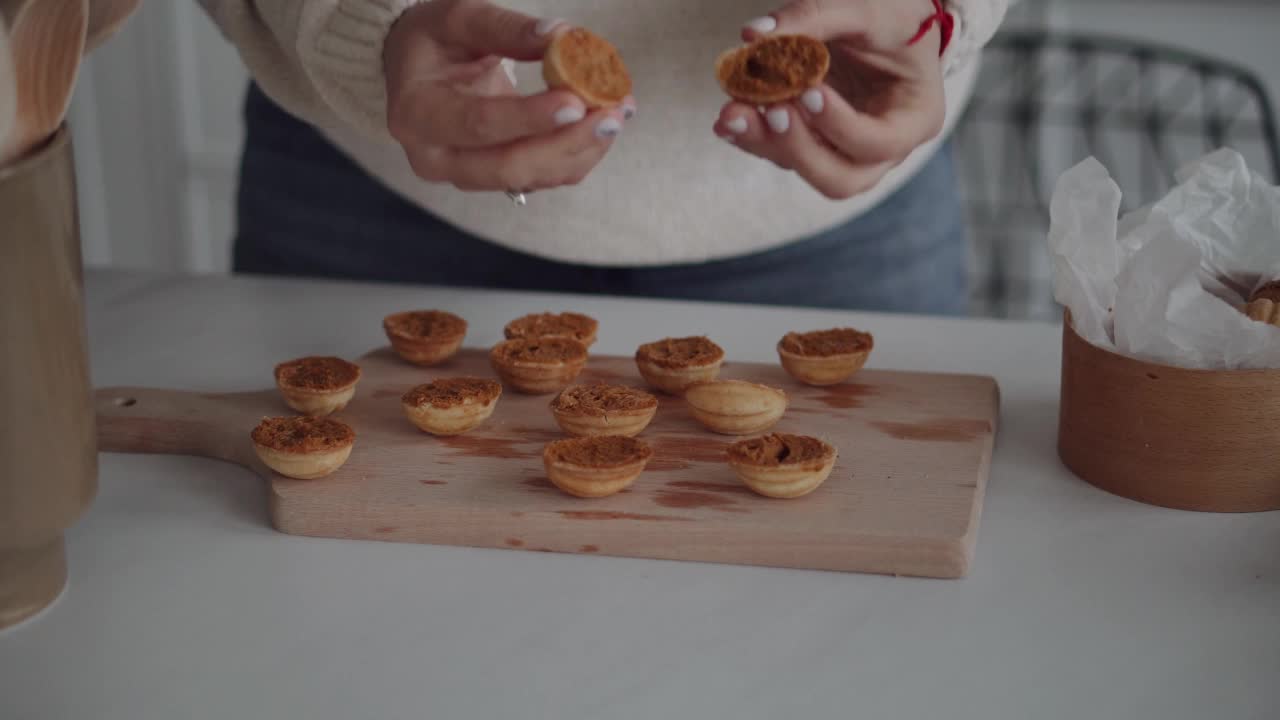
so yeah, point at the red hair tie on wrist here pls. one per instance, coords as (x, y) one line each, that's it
(946, 25)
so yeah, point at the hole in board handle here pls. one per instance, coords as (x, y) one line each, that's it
(125, 402)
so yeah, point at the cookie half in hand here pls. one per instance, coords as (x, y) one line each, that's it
(773, 69)
(588, 65)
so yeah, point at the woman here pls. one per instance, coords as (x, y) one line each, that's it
(383, 134)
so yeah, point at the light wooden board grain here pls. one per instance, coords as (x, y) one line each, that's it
(905, 497)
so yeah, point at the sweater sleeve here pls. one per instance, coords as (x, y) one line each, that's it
(976, 22)
(320, 59)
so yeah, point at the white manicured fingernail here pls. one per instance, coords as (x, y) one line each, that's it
(766, 24)
(546, 25)
(569, 114)
(728, 138)
(812, 100)
(779, 120)
(737, 125)
(608, 127)
(509, 67)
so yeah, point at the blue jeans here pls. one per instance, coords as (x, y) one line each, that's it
(305, 209)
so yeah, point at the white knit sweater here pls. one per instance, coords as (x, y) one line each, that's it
(668, 191)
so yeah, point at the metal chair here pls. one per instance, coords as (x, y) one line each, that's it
(1045, 101)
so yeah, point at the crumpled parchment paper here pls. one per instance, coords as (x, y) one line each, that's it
(1166, 283)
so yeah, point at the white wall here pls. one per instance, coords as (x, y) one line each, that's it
(156, 122)
(157, 127)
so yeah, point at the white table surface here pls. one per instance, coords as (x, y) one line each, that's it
(184, 603)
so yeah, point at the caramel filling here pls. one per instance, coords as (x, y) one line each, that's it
(579, 327)
(540, 350)
(823, 343)
(451, 392)
(775, 64)
(317, 373)
(599, 400)
(303, 434)
(779, 449)
(676, 353)
(425, 324)
(604, 451)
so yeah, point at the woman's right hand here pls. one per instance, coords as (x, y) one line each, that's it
(455, 111)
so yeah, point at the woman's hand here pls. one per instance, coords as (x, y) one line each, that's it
(455, 111)
(883, 97)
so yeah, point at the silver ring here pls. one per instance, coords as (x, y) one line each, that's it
(517, 197)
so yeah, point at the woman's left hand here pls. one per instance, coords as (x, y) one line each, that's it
(882, 99)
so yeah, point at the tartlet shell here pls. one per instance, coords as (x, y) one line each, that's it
(736, 407)
(537, 378)
(674, 381)
(822, 370)
(454, 420)
(1263, 310)
(317, 403)
(303, 466)
(592, 482)
(628, 423)
(426, 351)
(786, 480)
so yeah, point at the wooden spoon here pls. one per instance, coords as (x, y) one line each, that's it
(46, 38)
(8, 85)
(105, 18)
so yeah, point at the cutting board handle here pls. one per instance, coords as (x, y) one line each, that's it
(173, 422)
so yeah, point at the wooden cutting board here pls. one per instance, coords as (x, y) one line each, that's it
(905, 496)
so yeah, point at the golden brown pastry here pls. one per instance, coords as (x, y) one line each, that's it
(586, 410)
(1263, 310)
(425, 337)
(781, 465)
(773, 69)
(591, 467)
(825, 357)
(317, 385)
(571, 325)
(538, 365)
(303, 447)
(673, 364)
(589, 66)
(735, 407)
(451, 406)
(1264, 304)
(1269, 291)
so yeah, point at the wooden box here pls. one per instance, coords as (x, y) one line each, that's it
(1190, 439)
